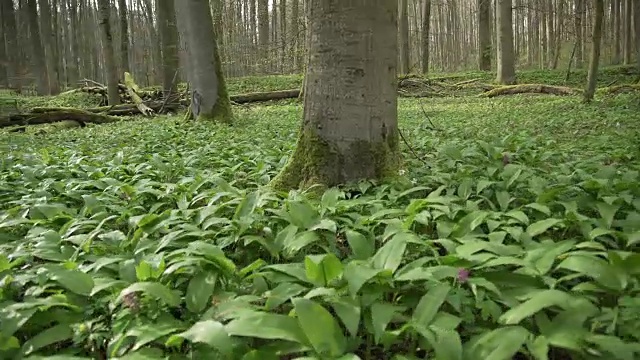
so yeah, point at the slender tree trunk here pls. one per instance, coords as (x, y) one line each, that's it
(628, 32)
(484, 35)
(579, 13)
(426, 34)
(405, 66)
(10, 31)
(594, 61)
(636, 15)
(169, 44)
(37, 50)
(616, 29)
(506, 60)
(352, 134)
(48, 41)
(295, 18)
(104, 9)
(263, 32)
(124, 36)
(209, 97)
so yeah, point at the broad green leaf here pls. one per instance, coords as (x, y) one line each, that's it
(358, 274)
(247, 205)
(390, 255)
(74, 280)
(541, 226)
(267, 326)
(152, 289)
(322, 269)
(608, 212)
(447, 344)
(348, 310)
(539, 348)
(282, 293)
(300, 240)
(147, 333)
(501, 344)
(541, 300)
(52, 335)
(322, 330)
(595, 267)
(199, 290)
(209, 332)
(469, 223)
(213, 253)
(381, 315)
(361, 247)
(429, 304)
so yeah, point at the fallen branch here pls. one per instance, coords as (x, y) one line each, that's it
(131, 90)
(265, 96)
(531, 89)
(620, 89)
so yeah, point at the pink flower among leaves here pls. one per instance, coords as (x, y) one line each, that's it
(463, 275)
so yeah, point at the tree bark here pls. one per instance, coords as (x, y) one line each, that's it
(596, 37)
(351, 134)
(403, 20)
(11, 41)
(104, 9)
(209, 97)
(48, 42)
(124, 35)
(628, 32)
(636, 15)
(506, 57)
(579, 13)
(37, 51)
(263, 31)
(484, 35)
(169, 42)
(617, 28)
(426, 34)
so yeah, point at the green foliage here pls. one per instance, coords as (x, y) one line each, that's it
(161, 240)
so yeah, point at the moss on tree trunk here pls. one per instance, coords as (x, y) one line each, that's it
(317, 161)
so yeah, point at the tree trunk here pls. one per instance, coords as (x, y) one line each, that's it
(37, 51)
(636, 16)
(426, 34)
(594, 61)
(579, 11)
(209, 97)
(124, 36)
(48, 42)
(551, 47)
(617, 29)
(263, 32)
(628, 32)
(104, 9)
(11, 41)
(169, 43)
(352, 134)
(484, 35)
(403, 18)
(506, 58)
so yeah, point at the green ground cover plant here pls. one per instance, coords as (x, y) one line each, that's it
(512, 233)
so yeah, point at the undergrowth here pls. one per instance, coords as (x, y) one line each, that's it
(512, 234)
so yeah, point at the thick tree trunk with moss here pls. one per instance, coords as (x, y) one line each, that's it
(209, 97)
(349, 131)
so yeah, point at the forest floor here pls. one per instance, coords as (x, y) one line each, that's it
(149, 232)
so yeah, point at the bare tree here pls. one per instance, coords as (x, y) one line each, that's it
(426, 35)
(506, 56)
(484, 35)
(594, 61)
(104, 8)
(209, 97)
(403, 20)
(37, 51)
(169, 44)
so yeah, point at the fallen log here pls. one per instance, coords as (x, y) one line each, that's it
(80, 116)
(620, 89)
(117, 110)
(265, 96)
(531, 89)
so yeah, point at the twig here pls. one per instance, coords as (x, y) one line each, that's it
(411, 148)
(433, 127)
(166, 99)
(86, 81)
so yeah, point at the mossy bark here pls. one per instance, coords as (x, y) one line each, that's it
(317, 161)
(221, 111)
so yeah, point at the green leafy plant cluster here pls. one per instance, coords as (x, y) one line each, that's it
(518, 239)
